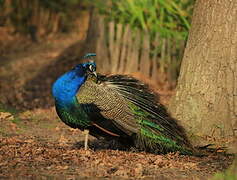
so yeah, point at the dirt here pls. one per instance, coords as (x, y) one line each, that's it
(35, 144)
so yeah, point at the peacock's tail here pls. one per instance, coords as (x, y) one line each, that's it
(158, 131)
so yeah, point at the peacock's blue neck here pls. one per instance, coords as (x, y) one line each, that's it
(66, 87)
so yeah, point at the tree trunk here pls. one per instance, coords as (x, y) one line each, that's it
(206, 95)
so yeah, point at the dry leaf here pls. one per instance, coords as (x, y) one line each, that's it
(6, 115)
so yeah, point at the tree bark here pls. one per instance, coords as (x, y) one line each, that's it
(206, 95)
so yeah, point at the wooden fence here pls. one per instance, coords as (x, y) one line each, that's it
(121, 49)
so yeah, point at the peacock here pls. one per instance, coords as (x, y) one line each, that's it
(117, 107)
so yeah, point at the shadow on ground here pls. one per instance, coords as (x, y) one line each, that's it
(102, 144)
(39, 87)
(30, 84)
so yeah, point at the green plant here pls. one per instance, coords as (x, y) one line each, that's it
(169, 18)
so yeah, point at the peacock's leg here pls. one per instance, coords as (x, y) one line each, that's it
(86, 132)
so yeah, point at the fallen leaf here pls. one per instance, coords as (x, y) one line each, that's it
(6, 115)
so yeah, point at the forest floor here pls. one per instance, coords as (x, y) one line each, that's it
(35, 144)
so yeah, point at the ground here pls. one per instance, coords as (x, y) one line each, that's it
(34, 143)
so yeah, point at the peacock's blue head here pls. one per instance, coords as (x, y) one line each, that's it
(66, 86)
(85, 69)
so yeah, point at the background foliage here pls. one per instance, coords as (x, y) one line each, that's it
(169, 18)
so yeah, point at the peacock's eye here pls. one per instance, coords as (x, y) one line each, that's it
(92, 68)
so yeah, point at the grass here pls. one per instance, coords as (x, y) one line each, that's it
(5, 108)
(228, 175)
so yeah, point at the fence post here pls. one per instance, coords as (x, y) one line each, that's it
(145, 56)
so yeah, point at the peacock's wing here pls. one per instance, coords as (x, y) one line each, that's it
(134, 109)
(106, 107)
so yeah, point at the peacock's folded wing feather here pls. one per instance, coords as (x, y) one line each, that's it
(100, 100)
(129, 105)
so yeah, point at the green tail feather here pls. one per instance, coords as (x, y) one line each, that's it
(154, 138)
